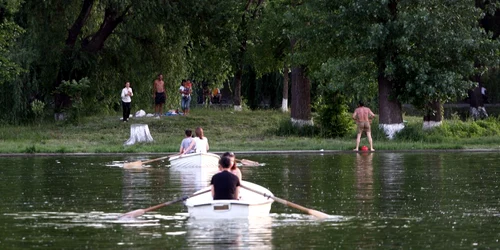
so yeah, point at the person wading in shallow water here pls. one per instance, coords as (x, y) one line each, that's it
(363, 116)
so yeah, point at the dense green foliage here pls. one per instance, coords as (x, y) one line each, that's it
(430, 49)
(333, 115)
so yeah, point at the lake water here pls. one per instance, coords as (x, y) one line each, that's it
(377, 201)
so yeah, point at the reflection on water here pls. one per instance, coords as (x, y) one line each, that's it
(65, 220)
(135, 187)
(392, 181)
(225, 234)
(364, 179)
(192, 179)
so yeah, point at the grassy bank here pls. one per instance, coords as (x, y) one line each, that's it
(234, 131)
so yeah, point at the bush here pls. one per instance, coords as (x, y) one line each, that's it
(334, 118)
(38, 109)
(411, 132)
(286, 128)
(75, 90)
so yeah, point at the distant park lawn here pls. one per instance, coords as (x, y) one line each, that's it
(228, 130)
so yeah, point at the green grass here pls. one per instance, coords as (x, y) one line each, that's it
(228, 130)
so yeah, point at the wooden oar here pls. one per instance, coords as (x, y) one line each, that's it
(139, 212)
(137, 164)
(246, 162)
(315, 213)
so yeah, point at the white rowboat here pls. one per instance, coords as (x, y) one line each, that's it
(195, 170)
(195, 160)
(251, 204)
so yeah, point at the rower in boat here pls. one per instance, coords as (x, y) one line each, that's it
(199, 143)
(234, 168)
(225, 185)
(186, 142)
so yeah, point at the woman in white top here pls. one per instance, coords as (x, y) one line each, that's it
(126, 100)
(199, 143)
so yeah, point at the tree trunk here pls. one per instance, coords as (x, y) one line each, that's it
(391, 115)
(237, 89)
(92, 44)
(77, 26)
(434, 115)
(284, 103)
(112, 18)
(243, 49)
(62, 100)
(301, 97)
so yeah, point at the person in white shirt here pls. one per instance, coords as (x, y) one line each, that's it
(199, 143)
(126, 100)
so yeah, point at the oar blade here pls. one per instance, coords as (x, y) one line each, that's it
(132, 214)
(318, 214)
(139, 212)
(134, 164)
(246, 162)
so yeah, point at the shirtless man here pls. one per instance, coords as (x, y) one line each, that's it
(363, 117)
(159, 95)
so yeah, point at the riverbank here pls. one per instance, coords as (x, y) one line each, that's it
(247, 131)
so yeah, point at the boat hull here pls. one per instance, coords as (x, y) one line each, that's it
(195, 160)
(194, 170)
(249, 205)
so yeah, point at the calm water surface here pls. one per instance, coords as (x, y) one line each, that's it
(377, 201)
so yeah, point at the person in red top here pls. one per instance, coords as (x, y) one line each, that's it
(185, 91)
(363, 117)
(189, 84)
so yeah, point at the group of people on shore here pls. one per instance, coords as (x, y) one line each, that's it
(225, 184)
(211, 96)
(159, 97)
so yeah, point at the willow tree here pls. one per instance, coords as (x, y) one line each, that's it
(286, 25)
(10, 107)
(109, 42)
(271, 49)
(217, 38)
(9, 32)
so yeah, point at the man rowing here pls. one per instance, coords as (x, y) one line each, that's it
(225, 185)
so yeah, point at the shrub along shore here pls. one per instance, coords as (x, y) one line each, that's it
(227, 130)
